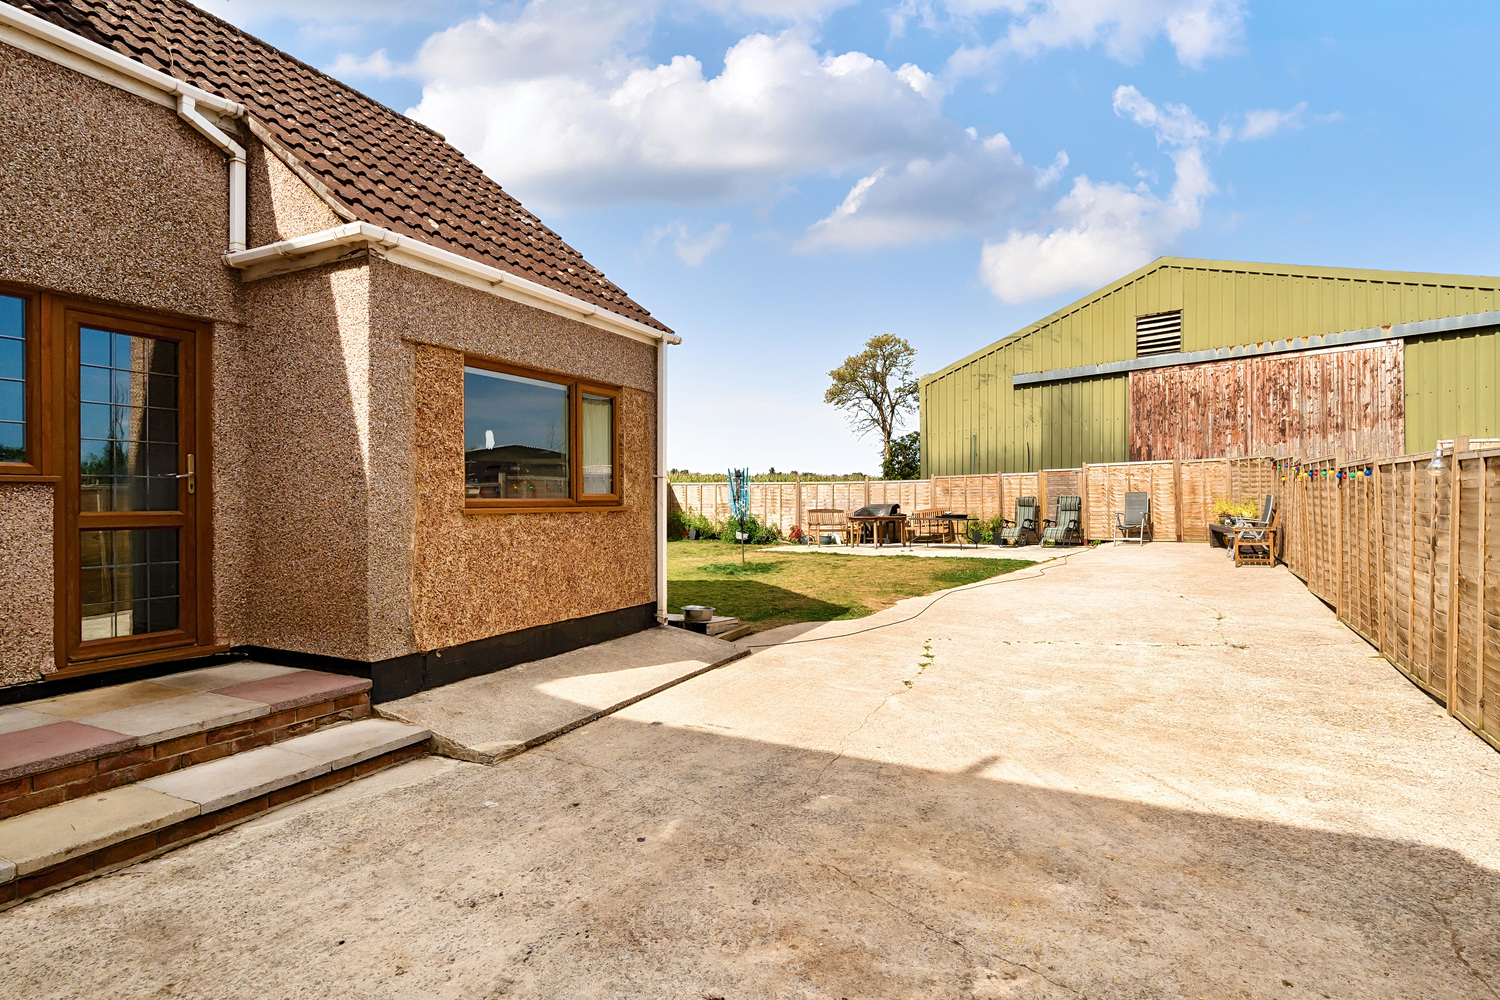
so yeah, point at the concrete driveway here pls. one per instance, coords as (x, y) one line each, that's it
(1143, 774)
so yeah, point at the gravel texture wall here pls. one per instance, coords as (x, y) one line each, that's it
(478, 575)
(26, 604)
(431, 310)
(118, 198)
(280, 205)
(314, 511)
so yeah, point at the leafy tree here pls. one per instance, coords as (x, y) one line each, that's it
(904, 459)
(875, 387)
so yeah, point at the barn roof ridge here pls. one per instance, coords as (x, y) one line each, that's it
(1210, 264)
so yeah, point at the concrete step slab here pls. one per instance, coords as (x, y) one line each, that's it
(489, 718)
(103, 699)
(296, 689)
(13, 720)
(37, 840)
(193, 712)
(229, 781)
(341, 746)
(63, 742)
(213, 678)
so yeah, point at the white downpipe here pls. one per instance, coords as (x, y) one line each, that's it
(66, 48)
(187, 110)
(662, 486)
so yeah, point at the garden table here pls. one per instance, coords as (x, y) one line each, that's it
(877, 525)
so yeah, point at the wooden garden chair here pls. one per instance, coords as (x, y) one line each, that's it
(1255, 545)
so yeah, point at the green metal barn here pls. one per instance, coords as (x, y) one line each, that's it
(1208, 359)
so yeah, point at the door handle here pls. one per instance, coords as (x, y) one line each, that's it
(190, 475)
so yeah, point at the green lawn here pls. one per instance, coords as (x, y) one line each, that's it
(774, 589)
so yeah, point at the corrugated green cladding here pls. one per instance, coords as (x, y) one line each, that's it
(1452, 387)
(974, 421)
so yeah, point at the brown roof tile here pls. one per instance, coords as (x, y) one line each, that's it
(389, 170)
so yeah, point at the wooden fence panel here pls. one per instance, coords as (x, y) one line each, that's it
(1467, 687)
(1487, 613)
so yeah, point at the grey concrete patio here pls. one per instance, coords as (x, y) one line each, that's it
(489, 718)
(1139, 773)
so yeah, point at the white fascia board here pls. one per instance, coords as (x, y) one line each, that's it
(43, 38)
(446, 264)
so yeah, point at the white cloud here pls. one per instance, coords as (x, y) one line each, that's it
(1174, 124)
(1266, 122)
(1197, 30)
(691, 250)
(974, 186)
(567, 121)
(377, 64)
(1098, 232)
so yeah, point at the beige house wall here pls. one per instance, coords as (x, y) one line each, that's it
(105, 196)
(337, 399)
(479, 575)
(279, 205)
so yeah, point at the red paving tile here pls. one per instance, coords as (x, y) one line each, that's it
(45, 747)
(297, 689)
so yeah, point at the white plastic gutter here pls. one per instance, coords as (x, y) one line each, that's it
(45, 39)
(187, 110)
(404, 249)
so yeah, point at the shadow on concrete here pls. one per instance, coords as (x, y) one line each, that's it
(638, 858)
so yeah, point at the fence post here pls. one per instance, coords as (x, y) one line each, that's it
(1454, 483)
(1177, 496)
(1379, 562)
(797, 499)
(1083, 501)
(867, 491)
(1041, 491)
(1481, 622)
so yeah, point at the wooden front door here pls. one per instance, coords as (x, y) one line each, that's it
(130, 492)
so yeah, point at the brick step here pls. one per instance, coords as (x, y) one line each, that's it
(72, 841)
(62, 748)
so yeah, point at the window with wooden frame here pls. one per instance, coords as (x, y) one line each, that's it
(21, 383)
(538, 441)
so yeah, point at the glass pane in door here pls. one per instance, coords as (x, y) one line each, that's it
(127, 419)
(129, 581)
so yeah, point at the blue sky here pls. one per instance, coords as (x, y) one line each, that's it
(778, 181)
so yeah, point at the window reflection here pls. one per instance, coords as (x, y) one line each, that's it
(515, 437)
(127, 416)
(12, 379)
(128, 582)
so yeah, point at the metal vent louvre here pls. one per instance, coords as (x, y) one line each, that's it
(1159, 334)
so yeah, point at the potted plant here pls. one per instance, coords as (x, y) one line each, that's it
(1230, 512)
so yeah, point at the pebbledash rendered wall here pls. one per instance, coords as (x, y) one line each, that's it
(337, 393)
(106, 196)
(974, 420)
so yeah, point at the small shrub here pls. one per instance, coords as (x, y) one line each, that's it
(1244, 507)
